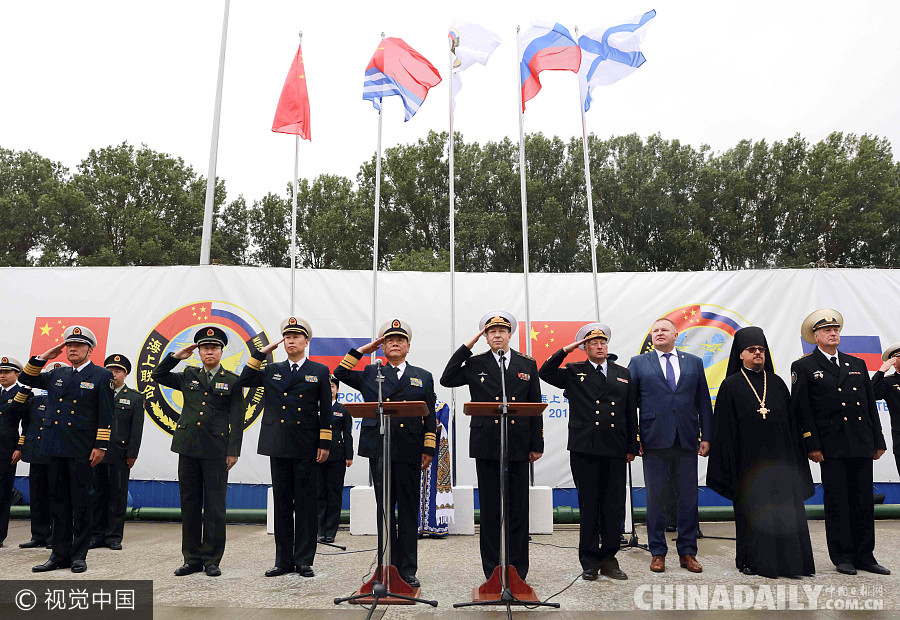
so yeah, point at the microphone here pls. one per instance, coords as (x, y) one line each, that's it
(378, 362)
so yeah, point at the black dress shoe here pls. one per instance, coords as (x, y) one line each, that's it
(589, 574)
(671, 528)
(278, 570)
(613, 571)
(321, 539)
(329, 539)
(51, 564)
(305, 570)
(115, 546)
(32, 544)
(878, 569)
(79, 566)
(212, 570)
(846, 568)
(412, 581)
(188, 569)
(746, 570)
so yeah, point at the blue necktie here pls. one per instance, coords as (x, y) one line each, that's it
(670, 371)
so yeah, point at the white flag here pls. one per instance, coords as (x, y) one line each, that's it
(609, 54)
(469, 43)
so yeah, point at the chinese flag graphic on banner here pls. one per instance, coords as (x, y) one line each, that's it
(548, 337)
(48, 332)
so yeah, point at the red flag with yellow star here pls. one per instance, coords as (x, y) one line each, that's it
(48, 331)
(292, 113)
(548, 337)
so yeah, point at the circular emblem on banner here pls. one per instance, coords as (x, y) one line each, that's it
(706, 331)
(176, 331)
(396, 323)
(292, 321)
(77, 331)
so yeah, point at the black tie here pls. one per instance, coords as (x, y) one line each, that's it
(295, 368)
(600, 373)
(834, 360)
(391, 373)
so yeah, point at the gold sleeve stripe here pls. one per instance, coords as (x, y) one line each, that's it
(325, 433)
(254, 363)
(21, 440)
(103, 434)
(21, 397)
(32, 370)
(349, 362)
(807, 434)
(430, 436)
(429, 442)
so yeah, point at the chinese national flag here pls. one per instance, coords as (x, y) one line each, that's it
(292, 113)
(48, 331)
(548, 337)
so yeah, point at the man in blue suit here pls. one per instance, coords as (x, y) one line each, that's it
(675, 413)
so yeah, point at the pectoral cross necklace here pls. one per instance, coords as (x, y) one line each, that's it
(762, 401)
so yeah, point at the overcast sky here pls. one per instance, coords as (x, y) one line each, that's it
(88, 74)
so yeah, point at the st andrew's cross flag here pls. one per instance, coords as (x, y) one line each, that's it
(398, 69)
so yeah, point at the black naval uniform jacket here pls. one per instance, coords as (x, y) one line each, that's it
(602, 413)
(127, 426)
(482, 374)
(13, 415)
(31, 448)
(79, 408)
(211, 425)
(888, 389)
(342, 434)
(835, 406)
(297, 409)
(410, 437)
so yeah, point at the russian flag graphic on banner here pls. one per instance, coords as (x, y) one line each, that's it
(867, 348)
(545, 47)
(330, 351)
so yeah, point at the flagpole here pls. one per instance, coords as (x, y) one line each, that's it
(524, 194)
(375, 236)
(294, 210)
(214, 149)
(452, 280)
(590, 198)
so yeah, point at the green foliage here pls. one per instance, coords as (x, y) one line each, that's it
(658, 205)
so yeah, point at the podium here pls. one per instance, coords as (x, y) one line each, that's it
(505, 586)
(386, 587)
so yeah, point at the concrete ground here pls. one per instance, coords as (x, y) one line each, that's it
(450, 568)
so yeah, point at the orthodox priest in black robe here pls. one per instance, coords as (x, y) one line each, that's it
(757, 460)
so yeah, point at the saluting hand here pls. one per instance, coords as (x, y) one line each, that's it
(52, 353)
(270, 347)
(186, 352)
(475, 338)
(370, 347)
(571, 347)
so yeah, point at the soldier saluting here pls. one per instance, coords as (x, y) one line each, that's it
(832, 398)
(207, 439)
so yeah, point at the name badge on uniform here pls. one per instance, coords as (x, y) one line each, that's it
(415, 381)
(312, 379)
(87, 385)
(221, 386)
(818, 374)
(124, 401)
(276, 377)
(524, 376)
(621, 379)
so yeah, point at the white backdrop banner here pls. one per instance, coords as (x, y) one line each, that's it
(146, 312)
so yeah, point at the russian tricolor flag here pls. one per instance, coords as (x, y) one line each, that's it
(330, 351)
(867, 348)
(545, 47)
